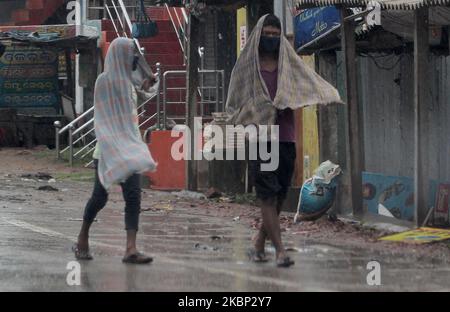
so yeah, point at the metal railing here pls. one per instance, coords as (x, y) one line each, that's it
(180, 26)
(76, 129)
(218, 101)
(81, 132)
(96, 9)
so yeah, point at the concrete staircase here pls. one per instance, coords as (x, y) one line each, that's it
(29, 12)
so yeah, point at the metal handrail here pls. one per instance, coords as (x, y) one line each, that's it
(110, 16)
(148, 119)
(180, 72)
(186, 22)
(120, 20)
(184, 40)
(145, 134)
(73, 143)
(183, 10)
(82, 136)
(98, 8)
(169, 72)
(201, 50)
(217, 72)
(95, 140)
(71, 127)
(85, 147)
(73, 122)
(178, 19)
(83, 126)
(130, 26)
(127, 21)
(125, 14)
(177, 32)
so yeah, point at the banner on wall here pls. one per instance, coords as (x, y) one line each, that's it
(390, 196)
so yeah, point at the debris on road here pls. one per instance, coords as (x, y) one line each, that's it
(48, 188)
(79, 219)
(213, 193)
(150, 209)
(189, 194)
(37, 176)
(419, 236)
(24, 152)
(205, 247)
(163, 206)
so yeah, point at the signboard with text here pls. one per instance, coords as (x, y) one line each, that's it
(312, 23)
(29, 78)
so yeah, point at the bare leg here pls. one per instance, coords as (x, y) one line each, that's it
(271, 224)
(83, 236)
(131, 254)
(260, 240)
(96, 203)
(131, 243)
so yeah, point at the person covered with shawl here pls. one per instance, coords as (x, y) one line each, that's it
(120, 154)
(267, 83)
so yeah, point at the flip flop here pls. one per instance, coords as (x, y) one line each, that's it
(81, 254)
(257, 256)
(137, 258)
(285, 262)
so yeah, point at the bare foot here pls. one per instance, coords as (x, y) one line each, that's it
(283, 260)
(81, 249)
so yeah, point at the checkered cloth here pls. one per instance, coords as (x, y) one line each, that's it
(123, 152)
(249, 101)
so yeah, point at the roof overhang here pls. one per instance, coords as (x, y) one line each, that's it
(60, 36)
(385, 4)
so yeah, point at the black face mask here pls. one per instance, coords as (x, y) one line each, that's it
(269, 44)
(2, 49)
(135, 62)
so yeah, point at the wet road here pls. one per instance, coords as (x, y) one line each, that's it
(193, 251)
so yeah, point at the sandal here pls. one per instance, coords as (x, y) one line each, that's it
(137, 258)
(257, 256)
(285, 262)
(81, 254)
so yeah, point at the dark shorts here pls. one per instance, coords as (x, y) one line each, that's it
(274, 184)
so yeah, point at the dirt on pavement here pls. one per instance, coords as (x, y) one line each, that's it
(16, 162)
